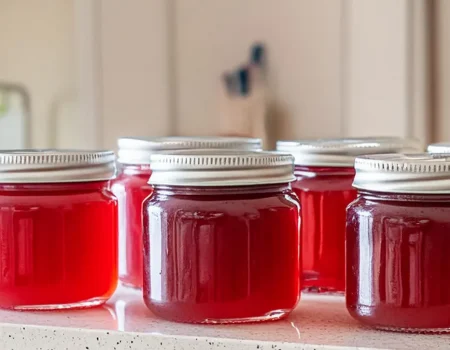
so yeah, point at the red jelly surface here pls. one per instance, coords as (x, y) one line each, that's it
(217, 255)
(398, 261)
(58, 245)
(324, 195)
(131, 188)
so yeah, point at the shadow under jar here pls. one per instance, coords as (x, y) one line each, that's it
(58, 229)
(398, 243)
(324, 175)
(221, 237)
(131, 188)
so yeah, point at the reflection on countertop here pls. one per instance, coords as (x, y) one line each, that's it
(319, 320)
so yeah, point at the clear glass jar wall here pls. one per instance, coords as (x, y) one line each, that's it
(324, 194)
(131, 188)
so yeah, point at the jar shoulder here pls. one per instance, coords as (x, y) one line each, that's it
(125, 185)
(323, 183)
(394, 208)
(225, 202)
(56, 198)
(137, 179)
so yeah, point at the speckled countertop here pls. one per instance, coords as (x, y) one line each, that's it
(319, 322)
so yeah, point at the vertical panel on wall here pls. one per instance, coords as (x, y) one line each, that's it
(87, 32)
(386, 69)
(441, 130)
(37, 52)
(135, 69)
(420, 71)
(303, 41)
(377, 97)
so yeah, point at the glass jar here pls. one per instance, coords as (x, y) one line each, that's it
(131, 188)
(58, 236)
(398, 243)
(221, 237)
(441, 147)
(324, 175)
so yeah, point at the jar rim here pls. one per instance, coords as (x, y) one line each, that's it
(221, 167)
(55, 166)
(420, 173)
(138, 150)
(341, 152)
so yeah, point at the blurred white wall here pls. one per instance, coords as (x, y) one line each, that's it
(135, 68)
(385, 77)
(303, 39)
(336, 68)
(108, 68)
(37, 50)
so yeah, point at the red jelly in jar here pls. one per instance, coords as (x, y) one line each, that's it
(58, 229)
(398, 243)
(324, 175)
(131, 188)
(221, 237)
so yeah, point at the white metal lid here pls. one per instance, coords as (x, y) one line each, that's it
(135, 150)
(341, 152)
(50, 166)
(403, 173)
(441, 147)
(219, 167)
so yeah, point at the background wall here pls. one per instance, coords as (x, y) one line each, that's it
(135, 68)
(336, 68)
(304, 53)
(37, 50)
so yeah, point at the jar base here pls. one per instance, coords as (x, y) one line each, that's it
(50, 307)
(322, 290)
(130, 286)
(205, 314)
(413, 330)
(271, 316)
(406, 320)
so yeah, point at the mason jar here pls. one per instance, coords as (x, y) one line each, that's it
(131, 188)
(398, 243)
(324, 176)
(58, 229)
(221, 237)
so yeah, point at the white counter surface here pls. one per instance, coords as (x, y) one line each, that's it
(319, 322)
